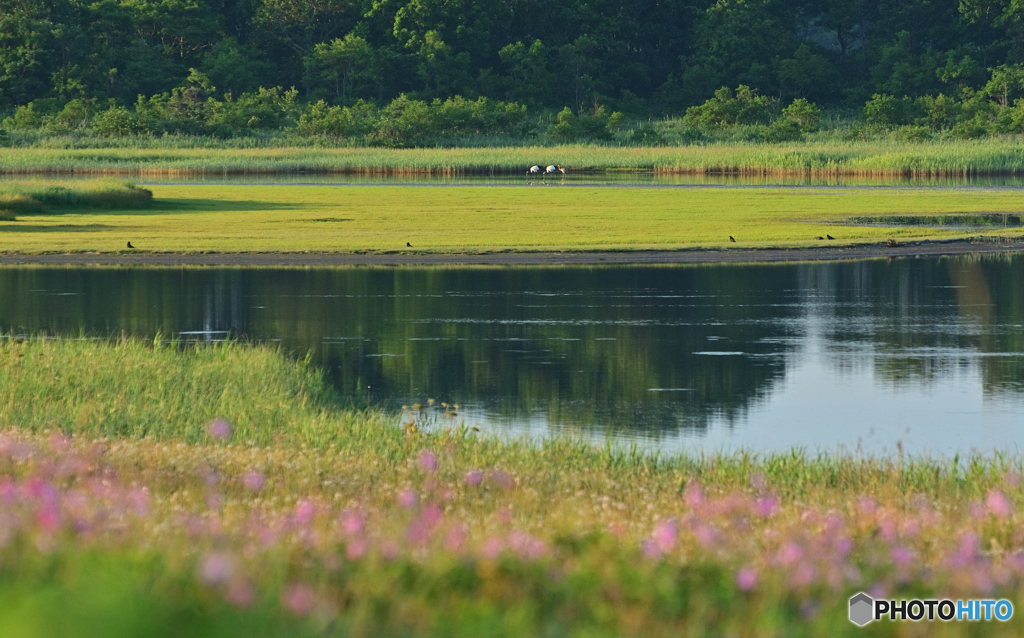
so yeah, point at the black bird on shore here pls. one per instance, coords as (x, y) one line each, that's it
(130, 245)
(829, 237)
(408, 245)
(732, 239)
(820, 238)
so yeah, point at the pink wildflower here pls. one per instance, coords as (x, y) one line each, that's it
(902, 556)
(665, 535)
(355, 549)
(427, 461)
(790, 553)
(240, 594)
(474, 478)
(693, 495)
(298, 599)
(253, 480)
(389, 550)
(503, 479)
(431, 515)
(304, 512)
(765, 506)
(215, 569)
(417, 533)
(455, 539)
(351, 523)
(219, 429)
(998, 504)
(492, 548)
(407, 498)
(746, 578)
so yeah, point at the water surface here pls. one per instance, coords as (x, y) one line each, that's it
(924, 353)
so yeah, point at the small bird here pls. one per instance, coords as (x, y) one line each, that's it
(732, 239)
(130, 245)
(408, 245)
(820, 238)
(534, 170)
(829, 237)
(892, 243)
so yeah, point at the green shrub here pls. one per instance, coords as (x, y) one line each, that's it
(645, 135)
(728, 109)
(588, 126)
(886, 111)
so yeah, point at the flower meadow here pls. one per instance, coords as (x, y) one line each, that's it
(385, 530)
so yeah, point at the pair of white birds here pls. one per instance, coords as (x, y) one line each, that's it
(550, 170)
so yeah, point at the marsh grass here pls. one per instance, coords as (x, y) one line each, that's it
(134, 390)
(819, 158)
(127, 513)
(474, 219)
(37, 196)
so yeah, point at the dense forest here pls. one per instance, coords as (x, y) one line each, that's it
(224, 67)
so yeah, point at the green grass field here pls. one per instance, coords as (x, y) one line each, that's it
(227, 491)
(230, 218)
(883, 158)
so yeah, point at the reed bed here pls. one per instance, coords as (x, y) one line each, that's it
(317, 517)
(26, 197)
(862, 158)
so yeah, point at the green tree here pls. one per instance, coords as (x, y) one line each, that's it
(343, 65)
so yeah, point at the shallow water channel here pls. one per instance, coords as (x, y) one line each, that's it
(924, 353)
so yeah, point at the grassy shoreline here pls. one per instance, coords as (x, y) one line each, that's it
(372, 219)
(867, 158)
(228, 488)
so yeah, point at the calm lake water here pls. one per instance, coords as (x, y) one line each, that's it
(927, 353)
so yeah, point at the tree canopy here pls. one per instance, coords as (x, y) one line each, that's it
(636, 56)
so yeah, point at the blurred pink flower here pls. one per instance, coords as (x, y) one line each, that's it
(665, 535)
(48, 518)
(902, 556)
(240, 593)
(503, 479)
(298, 599)
(427, 461)
(650, 549)
(492, 547)
(253, 480)
(389, 550)
(790, 553)
(746, 578)
(216, 568)
(474, 478)
(693, 495)
(431, 515)
(304, 512)
(766, 506)
(355, 549)
(351, 523)
(505, 515)
(417, 533)
(455, 539)
(705, 535)
(998, 504)
(219, 429)
(867, 506)
(407, 498)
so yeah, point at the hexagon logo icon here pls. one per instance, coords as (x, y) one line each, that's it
(862, 609)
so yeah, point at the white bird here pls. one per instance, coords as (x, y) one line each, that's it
(555, 169)
(534, 170)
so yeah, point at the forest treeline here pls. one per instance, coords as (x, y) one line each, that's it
(404, 72)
